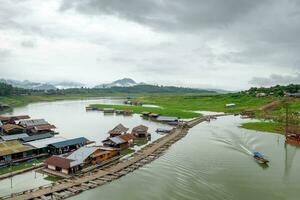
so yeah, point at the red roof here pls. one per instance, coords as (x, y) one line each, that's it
(127, 137)
(19, 117)
(44, 127)
(58, 161)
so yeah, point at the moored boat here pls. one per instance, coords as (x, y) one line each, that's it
(162, 130)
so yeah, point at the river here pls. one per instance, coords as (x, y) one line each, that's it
(213, 161)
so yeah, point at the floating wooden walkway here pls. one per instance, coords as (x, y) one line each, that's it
(75, 185)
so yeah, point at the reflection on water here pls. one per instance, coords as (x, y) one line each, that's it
(214, 161)
(72, 120)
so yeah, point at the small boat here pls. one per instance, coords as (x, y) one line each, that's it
(260, 158)
(162, 130)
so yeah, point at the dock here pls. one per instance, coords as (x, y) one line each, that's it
(72, 186)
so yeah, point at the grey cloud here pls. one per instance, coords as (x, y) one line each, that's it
(28, 44)
(169, 14)
(276, 79)
(4, 54)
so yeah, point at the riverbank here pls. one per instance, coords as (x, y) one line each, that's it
(271, 127)
(16, 101)
(70, 187)
(160, 110)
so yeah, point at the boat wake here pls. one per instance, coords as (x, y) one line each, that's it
(240, 143)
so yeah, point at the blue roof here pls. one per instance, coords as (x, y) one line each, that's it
(80, 140)
(37, 137)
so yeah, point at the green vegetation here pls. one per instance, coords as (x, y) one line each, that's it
(272, 127)
(183, 106)
(53, 178)
(140, 142)
(208, 102)
(277, 91)
(21, 166)
(125, 152)
(162, 111)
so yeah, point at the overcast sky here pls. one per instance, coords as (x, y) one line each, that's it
(229, 44)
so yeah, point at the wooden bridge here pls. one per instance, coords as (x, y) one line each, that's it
(75, 185)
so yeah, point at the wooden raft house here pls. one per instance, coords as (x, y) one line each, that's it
(140, 131)
(118, 130)
(121, 142)
(74, 162)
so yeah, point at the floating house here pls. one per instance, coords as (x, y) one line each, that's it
(13, 150)
(77, 160)
(12, 119)
(108, 110)
(9, 129)
(37, 137)
(145, 114)
(14, 137)
(167, 119)
(37, 126)
(41, 146)
(62, 147)
(153, 115)
(32, 122)
(140, 131)
(118, 130)
(43, 128)
(121, 142)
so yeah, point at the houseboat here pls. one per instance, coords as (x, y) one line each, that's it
(118, 130)
(75, 161)
(140, 131)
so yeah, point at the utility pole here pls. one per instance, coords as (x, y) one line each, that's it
(11, 175)
(286, 119)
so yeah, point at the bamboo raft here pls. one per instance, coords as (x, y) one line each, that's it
(72, 186)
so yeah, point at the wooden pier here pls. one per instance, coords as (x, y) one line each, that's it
(72, 186)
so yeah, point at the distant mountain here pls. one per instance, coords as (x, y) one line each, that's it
(221, 91)
(125, 82)
(66, 84)
(28, 84)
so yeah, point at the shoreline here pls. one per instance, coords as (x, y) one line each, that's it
(70, 187)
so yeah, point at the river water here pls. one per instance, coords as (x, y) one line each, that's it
(213, 161)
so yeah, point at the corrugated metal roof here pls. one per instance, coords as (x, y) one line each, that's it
(166, 118)
(80, 155)
(37, 137)
(80, 140)
(117, 140)
(14, 137)
(118, 130)
(45, 142)
(33, 122)
(12, 147)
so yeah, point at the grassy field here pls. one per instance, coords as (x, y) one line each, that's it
(161, 111)
(208, 103)
(125, 152)
(183, 106)
(53, 178)
(21, 166)
(272, 127)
